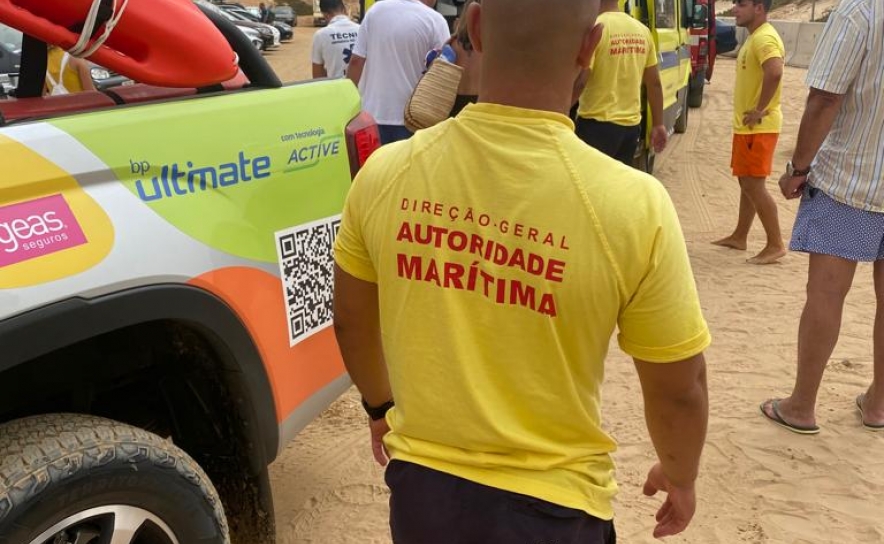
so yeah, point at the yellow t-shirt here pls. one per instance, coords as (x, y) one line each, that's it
(762, 45)
(71, 78)
(506, 252)
(613, 91)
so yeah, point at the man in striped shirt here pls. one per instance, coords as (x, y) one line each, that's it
(838, 171)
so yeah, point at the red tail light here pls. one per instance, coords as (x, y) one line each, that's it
(362, 139)
(704, 47)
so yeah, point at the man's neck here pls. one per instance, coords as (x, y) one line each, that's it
(608, 7)
(756, 24)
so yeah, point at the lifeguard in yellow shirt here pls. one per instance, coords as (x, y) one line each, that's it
(475, 300)
(609, 113)
(757, 123)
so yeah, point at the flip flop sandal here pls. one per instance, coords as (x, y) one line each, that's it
(866, 426)
(775, 417)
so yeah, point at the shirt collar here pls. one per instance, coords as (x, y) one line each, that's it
(488, 110)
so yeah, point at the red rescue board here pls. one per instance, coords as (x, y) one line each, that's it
(160, 42)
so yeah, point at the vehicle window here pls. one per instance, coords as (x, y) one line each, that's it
(11, 38)
(665, 12)
(701, 13)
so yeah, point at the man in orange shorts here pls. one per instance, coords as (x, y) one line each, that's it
(757, 123)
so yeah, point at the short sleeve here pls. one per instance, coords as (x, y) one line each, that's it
(351, 250)
(838, 56)
(441, 33)
(767, 47)
(316, 54)
(652, 52)
(662, 322)
(361, 47)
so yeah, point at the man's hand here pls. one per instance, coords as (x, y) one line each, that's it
(679, 507)
(753, 117)
(791, 186)
(659, 137)
(379, 429)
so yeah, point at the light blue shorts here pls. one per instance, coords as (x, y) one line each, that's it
(824, 225)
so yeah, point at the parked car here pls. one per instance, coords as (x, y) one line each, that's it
(285, 31)
(725, 37)
(269, 35)
(285, 14)
(254, 37)
(165, 282)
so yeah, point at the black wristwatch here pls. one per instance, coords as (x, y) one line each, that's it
(792, 172)
(376, 413)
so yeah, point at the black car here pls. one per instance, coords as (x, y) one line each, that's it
(285, 31)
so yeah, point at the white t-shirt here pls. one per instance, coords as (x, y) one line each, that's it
(394, 39)
(333, 45)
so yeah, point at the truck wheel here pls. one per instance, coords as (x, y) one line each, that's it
(695, 90)
(77, 479)
(644, 161)
(681, 124)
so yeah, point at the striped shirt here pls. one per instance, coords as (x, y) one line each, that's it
(849, 60)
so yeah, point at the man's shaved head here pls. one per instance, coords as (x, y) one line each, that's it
(529, 44)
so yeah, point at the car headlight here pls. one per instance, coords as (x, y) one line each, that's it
(100, 73)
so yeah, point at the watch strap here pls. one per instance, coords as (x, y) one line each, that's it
(377, 412)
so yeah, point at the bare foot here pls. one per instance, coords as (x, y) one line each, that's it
(732, 243)
(768, 255)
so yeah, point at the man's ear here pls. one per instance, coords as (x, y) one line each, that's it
(474, 25)
(591, 40)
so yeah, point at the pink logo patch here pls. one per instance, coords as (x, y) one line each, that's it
(36, 228)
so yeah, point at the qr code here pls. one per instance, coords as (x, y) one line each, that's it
(307, 268)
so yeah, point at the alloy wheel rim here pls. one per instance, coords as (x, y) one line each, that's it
(123, 524)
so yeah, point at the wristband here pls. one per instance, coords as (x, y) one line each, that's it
(376, 413)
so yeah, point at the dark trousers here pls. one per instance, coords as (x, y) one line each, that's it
(432, 507)
(611, 139)
(393, 133)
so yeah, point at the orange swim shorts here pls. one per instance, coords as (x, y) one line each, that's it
(752, 154)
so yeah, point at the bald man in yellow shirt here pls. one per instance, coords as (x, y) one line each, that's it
(475, 300)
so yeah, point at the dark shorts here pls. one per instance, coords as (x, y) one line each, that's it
(432, 507)
(611, 139)
(828, 227)
(393, 133)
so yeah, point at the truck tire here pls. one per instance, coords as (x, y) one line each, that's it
(695, 90)
(644, 161)
(68, 478)
(681, 123)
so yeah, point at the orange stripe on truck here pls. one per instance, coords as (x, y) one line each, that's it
(296, 372)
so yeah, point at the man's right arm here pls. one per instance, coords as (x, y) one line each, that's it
(354, 69)
(676, 412)
(651, 81)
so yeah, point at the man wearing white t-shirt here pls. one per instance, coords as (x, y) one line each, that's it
(333, 45)
(390, 56)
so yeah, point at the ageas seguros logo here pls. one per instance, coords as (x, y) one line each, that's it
(36, 228)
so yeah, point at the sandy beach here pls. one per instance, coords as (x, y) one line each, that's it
(758, 483)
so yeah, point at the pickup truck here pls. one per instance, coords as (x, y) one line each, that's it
(165, 288)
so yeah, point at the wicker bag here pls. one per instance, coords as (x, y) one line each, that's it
(433, 97)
